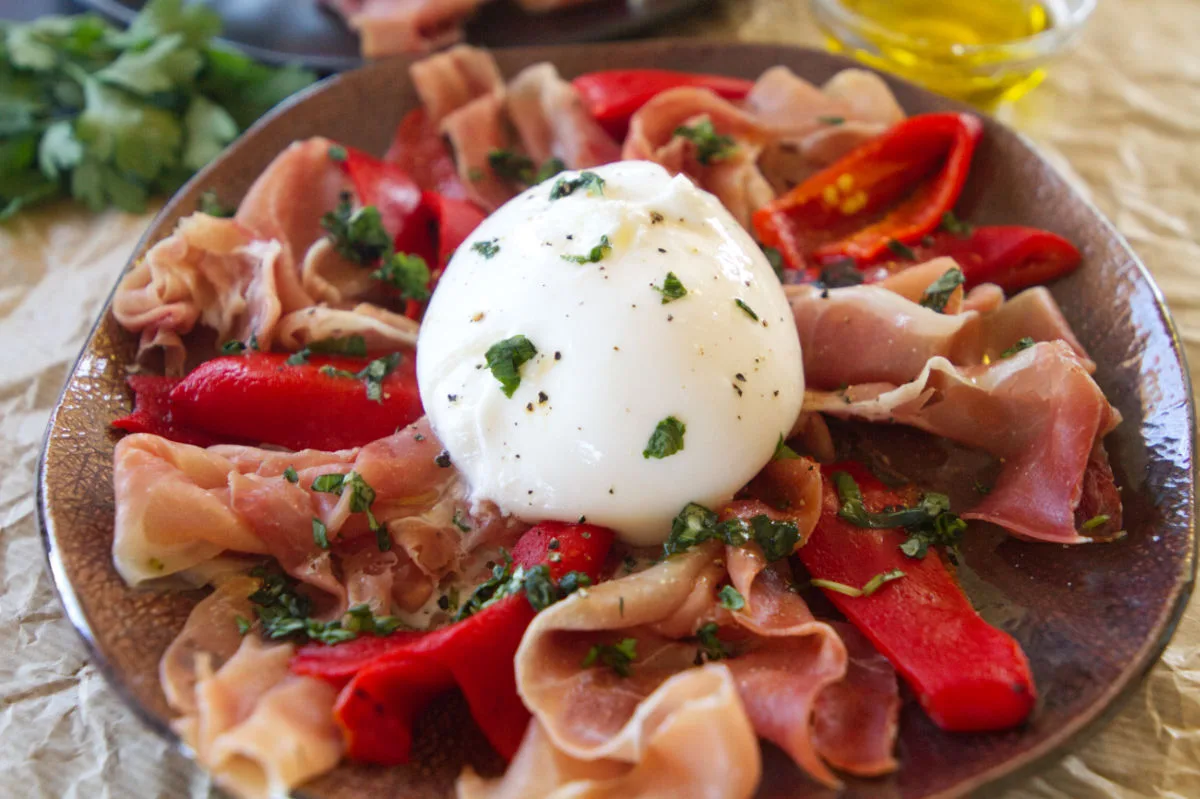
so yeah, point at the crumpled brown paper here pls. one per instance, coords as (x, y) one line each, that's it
(1121, 114)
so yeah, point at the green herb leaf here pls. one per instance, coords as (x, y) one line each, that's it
(504, 359)
(672, 288)
(510, 166)
(1096, 521)
(1023, 344)
(408, 274)
(539, 588)
(711, 647)
(831, 120)
(320, 533)
(871, 586)
(243, 624)
(590, 181)
(666, 440)
(775, 259)
(710, 146)
(210, 204)
(487, 249)
(746, 309)
(208, 128)
(372, 375)
(573, 581)
(929, 522)
(595, 255)
(291, 475)
(696, 524)
(783, 452)
(358, 235)
(233, 347)
(549, 169)
(337, 153)
(618, 657)
(731, 598)
(939, 291)
(901, 249)
(952, 224)
(363, 620)
(842, 273)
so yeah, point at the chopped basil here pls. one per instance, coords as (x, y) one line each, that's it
(233, 348)
(841, 273)
(517, 168)
(362, 496)
(672, 288)
(572, 581)
(539, 588)
(504, 359)
(337, 152)
(362, 620)
(1096, 521)
(952, 224)
(617, 657)
(243, 625)
(666, 440)
(372, 375)
(696, 524)
(211, 205)
(475, 174)
(711, 647)
(939, 291)
(746, 309)
(783, 452)
(299, 357)
(831, 120)
(775, 259)
(354, 346)
(710, 146)
(731, 598)
(487, 249)
(408, 274)
(871, 586)
(901, 249)
(290, 475)
(358, 235)
(928, 523)
(459, 523)
(284, 613)
(508, 581)
(589, 181)
(594, 256)
(320, 533)
(1024, 344)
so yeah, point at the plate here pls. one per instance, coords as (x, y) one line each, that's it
(1092, 618)
(301, 31)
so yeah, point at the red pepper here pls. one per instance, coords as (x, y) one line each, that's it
(967, 675)
(389, 681)
(1011, 257)
(260, 398)
(454, 221)
(419, 149)
(152, 412)
(398, 198)
(893, 188)
(612, 96)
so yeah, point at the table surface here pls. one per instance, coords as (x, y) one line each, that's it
(1120, 114)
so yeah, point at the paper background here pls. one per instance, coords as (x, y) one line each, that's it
(1121, 114)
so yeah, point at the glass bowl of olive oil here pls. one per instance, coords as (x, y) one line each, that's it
(981, 51)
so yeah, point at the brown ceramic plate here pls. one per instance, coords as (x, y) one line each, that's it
(301, 31)
(1092, 619)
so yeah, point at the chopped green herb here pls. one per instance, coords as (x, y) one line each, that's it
(358, 235)
(209, 204)
(284, 613)
(667, 439)
(939, 291)
(487, 249)
(372, 375)
(901, 249)
(952, 224)
(594, 256)
(337, 153)
(408, 274)
(746, 309)
(243, 625)
(617, 657)
(672, 288)
(982, 489)
(590, 181)
(539, 588)
(517, 168)
(731, 598)
(696, 524)
(831, 120)
(362, 496)
(572, 581)
(871, 586)
(783, 452)
(1096, 521)
(710, 146)
(320, 533)
(290, 475)
(363, 620)
(549, 168)
(233, 348)
(929, 522)
(354, 346)
(1023, 344)
(504, 359)
(299, 357)
(711, 647)
(459, 523)
(842, 273)
(775, 259)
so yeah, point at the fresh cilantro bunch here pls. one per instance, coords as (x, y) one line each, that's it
(111, 117)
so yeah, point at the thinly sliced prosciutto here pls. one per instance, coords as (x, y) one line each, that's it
(448, 81)
(380, 328)
(1038, 410)
(475, 130)
(552, 122)
(395, 27)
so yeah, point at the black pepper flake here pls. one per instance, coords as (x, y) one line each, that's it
(611, 491)
(740, 377)
(553, 544)
(529, 406)
(418, 437)
(452, 397)
(530, 492)
(670, 317)
(737, 388)
(558, 356)
(570, 237)
(660, 249)
(824, 294)
(656, 217)
(443, 459)
(543, 397)
(775, 393)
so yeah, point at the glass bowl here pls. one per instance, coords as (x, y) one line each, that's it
(981, 73)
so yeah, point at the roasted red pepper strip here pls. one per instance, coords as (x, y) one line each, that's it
(893, 188)
(614, 95)
(967, 675)
(398, 198)
(152, 412)
(388, 681)
(419, 149)
(454, 220)
(259, 398)
(1012, 257)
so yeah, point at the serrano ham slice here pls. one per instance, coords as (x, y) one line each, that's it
(552, 122)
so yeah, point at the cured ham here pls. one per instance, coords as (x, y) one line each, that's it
(394, 27)
(1042, 413)
(260, 730)
(381, 329)
(552, 122)
(474, 131)
(211, 272)
(447, 81)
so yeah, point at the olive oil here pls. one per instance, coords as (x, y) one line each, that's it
(975, 50)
